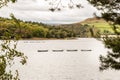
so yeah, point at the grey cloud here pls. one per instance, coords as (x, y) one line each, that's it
(37, 10)
(28, 5)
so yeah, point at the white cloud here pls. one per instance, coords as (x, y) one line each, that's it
(38, 10)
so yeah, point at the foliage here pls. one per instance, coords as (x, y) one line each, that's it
(27, 29)
(57, 5)
(9, 53)
(7, 57)
(39, 30)
(111, 13)
(5, 2)
(78, 30)
(112, 60)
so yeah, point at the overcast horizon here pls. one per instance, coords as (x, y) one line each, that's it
(38, 11)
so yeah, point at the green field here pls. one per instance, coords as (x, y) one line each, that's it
(102, 27)
(101, 24)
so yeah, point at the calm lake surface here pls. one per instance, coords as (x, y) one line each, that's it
(79, 65)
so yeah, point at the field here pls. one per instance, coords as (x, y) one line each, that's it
(101, 24)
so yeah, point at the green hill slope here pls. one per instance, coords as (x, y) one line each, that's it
(101, 24)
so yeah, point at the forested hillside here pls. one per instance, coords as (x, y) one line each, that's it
(40, 30)
(80, 30)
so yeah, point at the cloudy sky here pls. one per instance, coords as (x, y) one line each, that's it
(38, 11)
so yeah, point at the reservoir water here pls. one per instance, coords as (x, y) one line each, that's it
(74, 65)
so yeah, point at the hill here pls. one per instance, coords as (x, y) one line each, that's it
(91, 27)
(81, 30)
(99, 23)
(12, 28)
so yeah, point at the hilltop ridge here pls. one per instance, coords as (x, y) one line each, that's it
(99, 23)
(94, 19)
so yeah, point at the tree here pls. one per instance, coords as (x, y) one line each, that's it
(8, 53)
(110, 12)
(57, 5)
(112, 60)
(5, 2)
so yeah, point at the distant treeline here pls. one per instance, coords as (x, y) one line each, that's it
(79, 30)
(40, 30)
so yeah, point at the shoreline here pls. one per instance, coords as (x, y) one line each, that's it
(48, 38)
(35, 38)
(43, 39)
